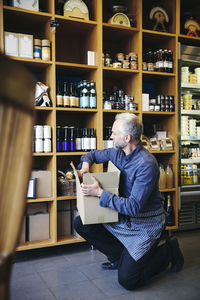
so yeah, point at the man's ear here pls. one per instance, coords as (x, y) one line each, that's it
(127, 138)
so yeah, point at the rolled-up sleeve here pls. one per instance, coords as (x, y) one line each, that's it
(143, 186)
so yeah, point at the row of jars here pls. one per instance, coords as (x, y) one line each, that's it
(166, 180)
(121, 60)
(190, 174)
(190, 150)
(188, 103)
(190, 77)
(190, 126)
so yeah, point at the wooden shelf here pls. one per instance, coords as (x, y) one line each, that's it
(189, 37)
(160, 33)
(22, 12)
(38, 200)
(70, 43)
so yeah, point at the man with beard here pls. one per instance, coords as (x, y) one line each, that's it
(131, 244)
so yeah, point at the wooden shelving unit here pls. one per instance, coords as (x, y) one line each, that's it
(69, 45)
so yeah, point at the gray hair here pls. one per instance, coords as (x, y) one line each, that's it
(131, 124)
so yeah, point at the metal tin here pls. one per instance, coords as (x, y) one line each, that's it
(47, 132)
(39, 132)
(39, 145)
(47, 145)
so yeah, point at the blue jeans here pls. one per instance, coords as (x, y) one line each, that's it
(131, 273)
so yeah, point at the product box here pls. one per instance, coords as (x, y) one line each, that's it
(25, 45)
(88, 206)
(43, 183)
(91, 58)
(11, 43)
(145, 102)
(37, 227)
(26, 4)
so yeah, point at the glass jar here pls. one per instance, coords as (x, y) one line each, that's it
(46, 51)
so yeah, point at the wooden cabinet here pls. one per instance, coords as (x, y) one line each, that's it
(70, 42)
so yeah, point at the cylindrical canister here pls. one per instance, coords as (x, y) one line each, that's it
(47, 132)
(47, 145)
(39, 145)
(39, 132)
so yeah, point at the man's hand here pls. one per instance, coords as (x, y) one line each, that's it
(85, 169)
(94, 189)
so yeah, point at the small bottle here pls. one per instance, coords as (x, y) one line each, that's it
(160, 62)
(169, 177)
(59, 96)
(165, 61)
(86, 140)
(150, 63)
(59, 139)
(162, 179)
(66, 99)
(92, 95)
(76, 95)
(170, 211)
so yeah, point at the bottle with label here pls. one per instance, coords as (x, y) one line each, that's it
(93, 139)
(66, 100)
(72, 99)
(59, 139)
(150, 63)
(76, 95)
(59, 96)
(86, 140)
(159, 65)
(170, 61)
(165, 61)
(72, 139)
(170, 211)
(162, 179)
(78, 139)
(92, 95)
(169, 177)
(66, 141)
(84, 96)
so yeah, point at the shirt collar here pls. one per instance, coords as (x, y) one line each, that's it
(134, 152)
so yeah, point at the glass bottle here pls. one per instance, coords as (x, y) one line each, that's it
(66, 143)
(92, 95)
(59, 139)
(78, 139)
(169, 177)
(59, 96)
(66, 100)
(72, 139)
(72, 98)
(170, 211)
(162, 179)
(170, 61)
(84, 96)
(93, 139)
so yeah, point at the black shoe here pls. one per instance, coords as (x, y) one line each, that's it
(177, 256)
(110, 265)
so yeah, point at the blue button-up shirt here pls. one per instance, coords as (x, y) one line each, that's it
(139, 202)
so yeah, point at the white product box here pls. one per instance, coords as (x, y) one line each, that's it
(11, 43)
(145, 102)
(26, 4)
(161, 135)
(88, 206)
(25, 45)
(91, 58)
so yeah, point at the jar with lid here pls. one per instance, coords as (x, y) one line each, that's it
(162, 179)
(116, 63)
(46, 51)
(37, 49)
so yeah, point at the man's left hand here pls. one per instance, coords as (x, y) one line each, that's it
(94, 189)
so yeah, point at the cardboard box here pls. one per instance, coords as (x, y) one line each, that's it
(26, 4)
(43, 183)
(64, 223)
(34, 208)
(11, 43)
(37, 227)
(25, 45)
(74, 215)
(88, 206)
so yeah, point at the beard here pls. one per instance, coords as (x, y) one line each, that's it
(120, 145)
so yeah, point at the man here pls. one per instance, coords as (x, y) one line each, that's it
(130, 244)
